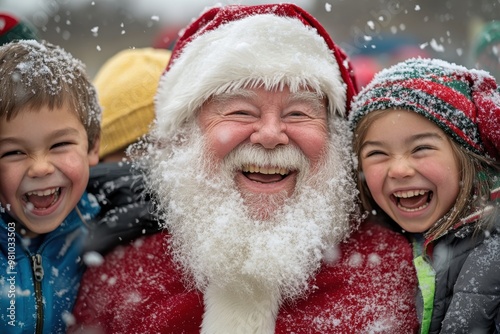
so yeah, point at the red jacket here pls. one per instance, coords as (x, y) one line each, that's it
(370, 289)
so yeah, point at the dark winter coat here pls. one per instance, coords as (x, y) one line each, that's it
(126, 212)
(467, 298)
(466, 266)
(371, 289)
(38, 287)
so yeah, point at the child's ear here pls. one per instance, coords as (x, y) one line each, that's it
(93, 154)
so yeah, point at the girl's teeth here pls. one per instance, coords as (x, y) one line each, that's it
(409, 193)
(413, 209)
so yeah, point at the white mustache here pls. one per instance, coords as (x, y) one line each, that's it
(282, 157)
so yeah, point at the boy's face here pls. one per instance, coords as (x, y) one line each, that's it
(44, 167)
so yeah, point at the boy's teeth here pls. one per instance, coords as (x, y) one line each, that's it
(41, 199)
(46, 192)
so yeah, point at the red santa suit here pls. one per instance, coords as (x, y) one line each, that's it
(370, 289)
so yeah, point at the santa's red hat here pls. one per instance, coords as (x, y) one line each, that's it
(237, 46)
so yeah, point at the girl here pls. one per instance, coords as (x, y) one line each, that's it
(427, 139)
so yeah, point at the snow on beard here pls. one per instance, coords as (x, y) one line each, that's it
(216, 238)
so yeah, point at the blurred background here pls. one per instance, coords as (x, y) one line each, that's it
(375, 33)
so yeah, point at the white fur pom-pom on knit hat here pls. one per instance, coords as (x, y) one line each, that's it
(236, 46)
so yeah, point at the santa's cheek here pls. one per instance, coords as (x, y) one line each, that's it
(222, 142)
(223, 137)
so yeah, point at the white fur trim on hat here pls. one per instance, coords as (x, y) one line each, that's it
(264, 49)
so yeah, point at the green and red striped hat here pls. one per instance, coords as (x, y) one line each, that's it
(464, 103)
(11, 29)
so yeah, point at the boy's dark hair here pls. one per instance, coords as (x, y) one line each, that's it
(39, 74)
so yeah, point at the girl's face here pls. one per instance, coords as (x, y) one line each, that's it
(410, 169)
(44, 167)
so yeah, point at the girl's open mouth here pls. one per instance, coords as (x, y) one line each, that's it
(412, 200)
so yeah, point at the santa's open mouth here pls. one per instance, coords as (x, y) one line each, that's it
(412, 200)
(42, 199)
(264, 174)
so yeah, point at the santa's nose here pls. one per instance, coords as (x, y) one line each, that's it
(270, 132)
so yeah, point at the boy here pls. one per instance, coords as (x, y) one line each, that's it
(49, 137)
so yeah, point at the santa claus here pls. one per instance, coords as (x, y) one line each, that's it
(250, 164)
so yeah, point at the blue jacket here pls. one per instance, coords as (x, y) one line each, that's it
(49, 276)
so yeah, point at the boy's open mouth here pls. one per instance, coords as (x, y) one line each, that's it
(264, 174)
(412, 200)
(42, 199)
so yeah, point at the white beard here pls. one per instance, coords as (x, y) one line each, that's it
(234, 258)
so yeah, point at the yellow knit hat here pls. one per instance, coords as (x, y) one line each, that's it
(126, 85)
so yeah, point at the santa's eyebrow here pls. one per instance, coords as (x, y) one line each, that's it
(317, 101)
(232, 95)
(300, 96)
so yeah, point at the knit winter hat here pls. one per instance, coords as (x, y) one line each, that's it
(11, 28)
(126, 85)
(464, 103)
(490, 34)
(237, 46)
